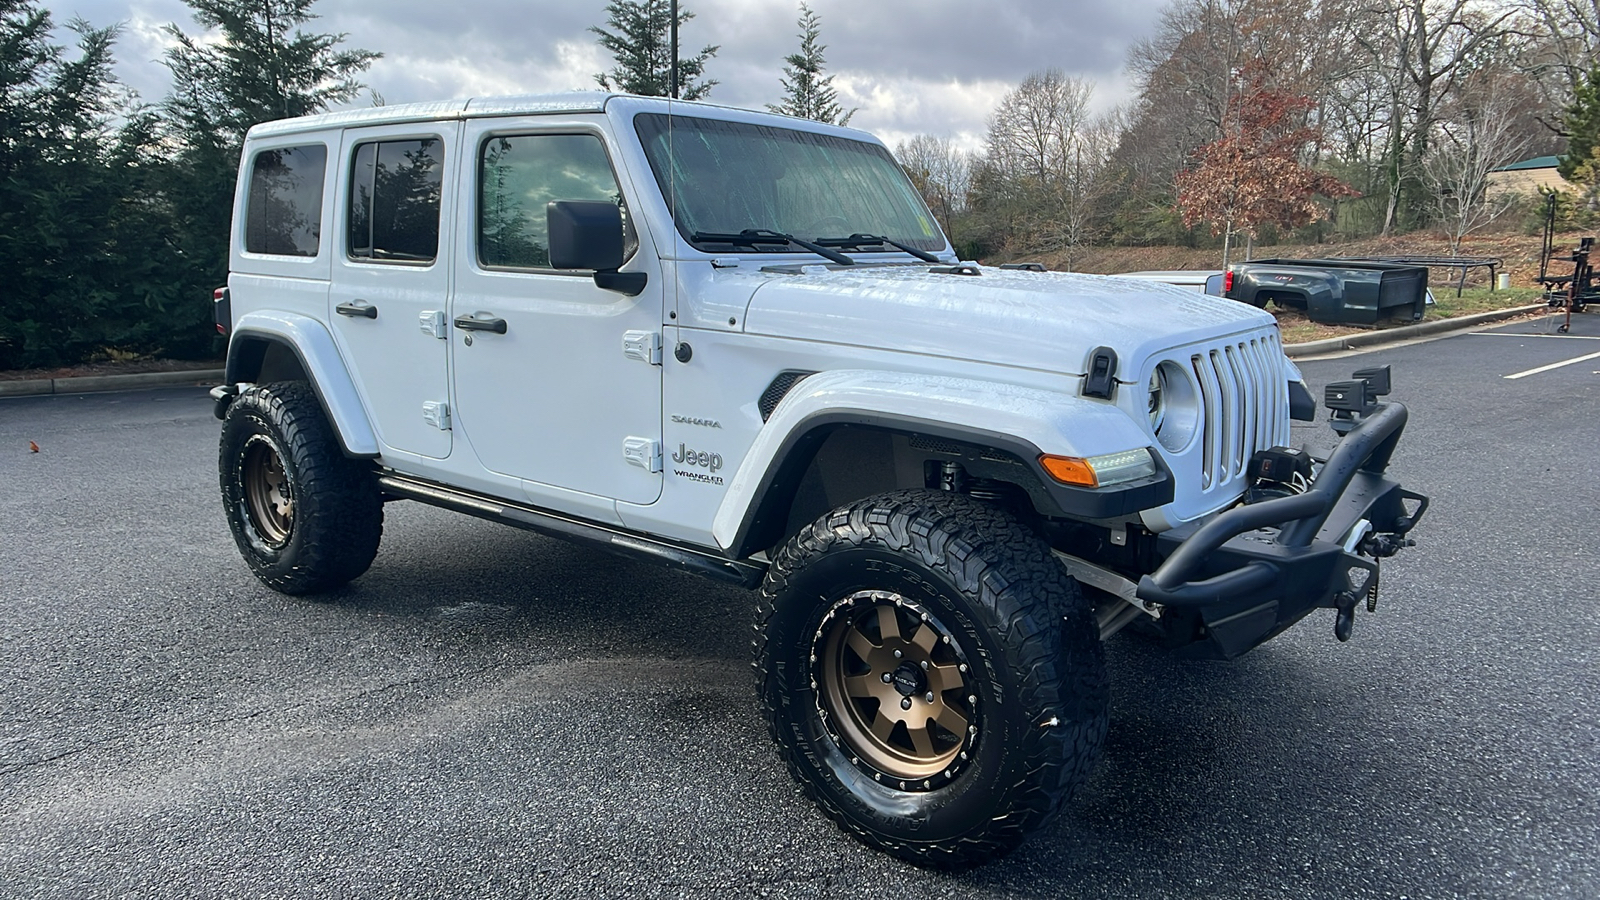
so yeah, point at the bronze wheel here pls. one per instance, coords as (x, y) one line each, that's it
(893, 688)
(269, 498)
(306, 517)
(931, 675)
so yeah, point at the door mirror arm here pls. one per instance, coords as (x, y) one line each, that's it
(630, 283)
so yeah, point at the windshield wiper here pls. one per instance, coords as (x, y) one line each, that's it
(752, 237)
(860, 240)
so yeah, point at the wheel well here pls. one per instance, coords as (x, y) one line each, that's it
(832, 467)
(1284, 299)
(265, 359)
(259, 359)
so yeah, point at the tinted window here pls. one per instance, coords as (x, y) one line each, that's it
(728, 176)
(283, 212)
(394, 200)
(519, 176)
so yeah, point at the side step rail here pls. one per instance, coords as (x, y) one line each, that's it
(677, 556)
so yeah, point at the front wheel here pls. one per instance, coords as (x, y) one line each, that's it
(932, 677)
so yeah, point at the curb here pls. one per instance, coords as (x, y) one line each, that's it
(1404, 333)
(88, 384)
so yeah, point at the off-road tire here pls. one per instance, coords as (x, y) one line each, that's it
(1010, 610)
(316, 523)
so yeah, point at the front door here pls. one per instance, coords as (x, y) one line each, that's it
(391, 280)
(546, 385)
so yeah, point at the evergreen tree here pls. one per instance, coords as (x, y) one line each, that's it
(809, 94)
(85, 242)
(255, 66)
(1582, 126)
(641, 44)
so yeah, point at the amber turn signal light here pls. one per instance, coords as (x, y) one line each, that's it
(1069, 470)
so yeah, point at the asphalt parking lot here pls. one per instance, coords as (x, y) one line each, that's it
(490, 713)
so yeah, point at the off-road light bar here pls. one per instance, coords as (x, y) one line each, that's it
(1349, 396)
(1377, 379)
(1359, 396)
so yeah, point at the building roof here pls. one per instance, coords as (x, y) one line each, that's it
(1538, 162)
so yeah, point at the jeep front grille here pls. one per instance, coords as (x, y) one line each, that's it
(1244, 395)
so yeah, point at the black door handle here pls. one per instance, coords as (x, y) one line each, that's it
(359, 309)
(469, 323)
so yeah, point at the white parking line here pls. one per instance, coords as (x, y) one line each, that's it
(1565, 362)
(1564, 337)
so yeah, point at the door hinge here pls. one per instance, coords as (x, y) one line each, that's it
(645, 346)
(642, 452)
(436, 413)
(432, 322)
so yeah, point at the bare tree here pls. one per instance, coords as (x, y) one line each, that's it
(1479, 134)
(1564, 41)
(941, 172)
(1046, 158)
(1421, 48)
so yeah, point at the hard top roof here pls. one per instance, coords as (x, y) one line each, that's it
(476, 107)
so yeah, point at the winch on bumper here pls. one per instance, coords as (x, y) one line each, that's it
(1227, 584)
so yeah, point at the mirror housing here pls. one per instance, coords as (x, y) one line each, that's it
(587, 234)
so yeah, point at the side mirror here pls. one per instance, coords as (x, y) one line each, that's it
(587, 234)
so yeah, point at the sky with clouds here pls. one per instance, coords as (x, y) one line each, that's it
(934, 66)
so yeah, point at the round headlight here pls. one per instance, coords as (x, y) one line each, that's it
(1174, 407)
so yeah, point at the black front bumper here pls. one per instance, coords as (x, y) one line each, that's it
(1236, 580)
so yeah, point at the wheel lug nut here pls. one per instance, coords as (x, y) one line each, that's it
(928, 696)
(971, 699)
(963, 667)
(924, 664)
(887, 678)
(905, 703)
(898, 654)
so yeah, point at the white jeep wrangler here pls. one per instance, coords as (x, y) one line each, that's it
(739, 344)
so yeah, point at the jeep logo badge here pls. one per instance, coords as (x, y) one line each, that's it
(711, 462)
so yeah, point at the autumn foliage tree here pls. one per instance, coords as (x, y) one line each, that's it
(1255, 174)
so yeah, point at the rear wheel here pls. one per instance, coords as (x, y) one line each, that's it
(932, 677)
(306, 518)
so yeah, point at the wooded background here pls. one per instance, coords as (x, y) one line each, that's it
(1305, 120)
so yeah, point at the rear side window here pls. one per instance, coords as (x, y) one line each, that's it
(283, 210)
(394, 200)
(518, 176)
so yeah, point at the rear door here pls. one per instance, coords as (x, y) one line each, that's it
(391, 279)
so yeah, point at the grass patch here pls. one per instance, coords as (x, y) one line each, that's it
(1297, 329)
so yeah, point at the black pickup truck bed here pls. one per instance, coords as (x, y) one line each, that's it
(1334, 291)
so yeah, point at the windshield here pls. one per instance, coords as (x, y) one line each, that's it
(732, 176)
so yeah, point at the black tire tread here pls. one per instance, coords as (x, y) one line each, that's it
(1047, 630)
(338, 503)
